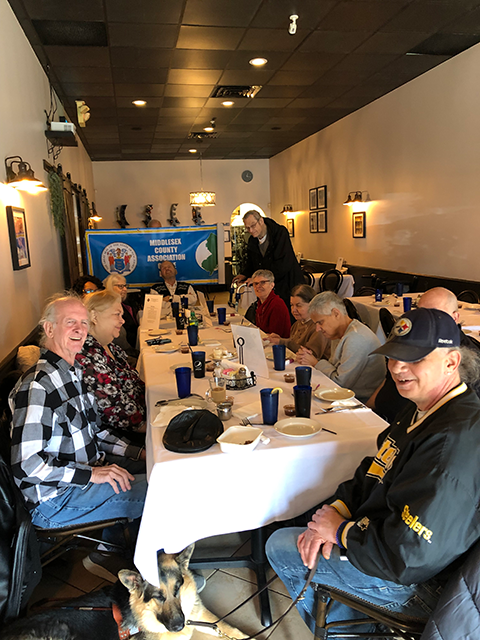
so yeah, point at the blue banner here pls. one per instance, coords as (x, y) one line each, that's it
(136, 253)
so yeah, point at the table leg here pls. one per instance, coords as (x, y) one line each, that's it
(257, 561)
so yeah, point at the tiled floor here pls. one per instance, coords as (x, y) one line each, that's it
(67, 578)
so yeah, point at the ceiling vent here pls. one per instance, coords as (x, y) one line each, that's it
(202, 135)
(70, 33)
(236, 91)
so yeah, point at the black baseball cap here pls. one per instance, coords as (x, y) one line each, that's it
(418, 333)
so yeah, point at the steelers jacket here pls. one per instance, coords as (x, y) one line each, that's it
(413, 510)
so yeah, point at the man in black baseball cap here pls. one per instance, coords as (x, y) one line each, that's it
(409, 514)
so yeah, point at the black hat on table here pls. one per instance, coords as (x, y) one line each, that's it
(418, 333)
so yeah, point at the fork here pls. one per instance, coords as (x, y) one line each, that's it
(338, 409)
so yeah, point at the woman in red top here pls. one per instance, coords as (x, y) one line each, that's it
(272, 315)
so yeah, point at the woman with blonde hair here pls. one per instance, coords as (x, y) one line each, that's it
(117, 386)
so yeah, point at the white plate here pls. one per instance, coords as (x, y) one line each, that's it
(166, 348)
(158, 332)
(297, 427)
(210, 343)
(181, 364)
(227, 355)
(331, 395)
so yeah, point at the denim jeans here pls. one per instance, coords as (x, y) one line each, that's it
(93, 502)
(416, 599)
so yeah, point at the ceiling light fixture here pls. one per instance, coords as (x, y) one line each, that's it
(292, 29)
(202, 198)
(83, 113)
(139, 103)
(258, 62)
(192, 151)
(211, 126)
(24, 179)
(228, 103)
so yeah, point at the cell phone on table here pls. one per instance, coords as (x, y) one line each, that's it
(154, 341)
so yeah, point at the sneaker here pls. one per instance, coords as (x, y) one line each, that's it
(200, 581)
(105, 565)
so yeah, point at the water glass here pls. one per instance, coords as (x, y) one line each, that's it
(198, 362)
(303, 400)
(210, 304)
(269, 406)
(407, 303)
(304, 376)
(279, 351)
(175, 309)
(222, 315)
(184, 381)
(192, 331)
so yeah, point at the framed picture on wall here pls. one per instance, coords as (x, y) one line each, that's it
(322, 197)
(358, 225)
(313, 222)
(291, 227)
(312, 199)
(322, 221)
(17, 231)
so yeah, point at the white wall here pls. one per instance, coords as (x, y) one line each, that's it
(24, 95)
(417, 151)
(162, 183)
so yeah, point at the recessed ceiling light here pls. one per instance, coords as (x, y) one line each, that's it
(258, 62)
(139, 103)
(192, 151)
(208, 129)
(228, 103)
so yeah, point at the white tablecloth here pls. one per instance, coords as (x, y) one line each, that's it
(346, 288)
(191, 497)
(369, 311)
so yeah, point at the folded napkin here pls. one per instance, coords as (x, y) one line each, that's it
(228, 364)
(168, 412)
(351, 402)
(251, 411)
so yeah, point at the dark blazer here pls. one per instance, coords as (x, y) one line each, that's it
(279, 259)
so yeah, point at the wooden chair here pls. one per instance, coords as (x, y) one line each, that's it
(330, 280)
(469, 296)
(365, 291)
(387, 320)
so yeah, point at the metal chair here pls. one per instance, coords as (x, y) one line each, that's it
(330, 280)
(469, 296)
(387, 320)
(398, 625)
(390, 286)
(64, 539)
(308, 277)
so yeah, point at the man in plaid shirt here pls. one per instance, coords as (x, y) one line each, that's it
(69, 469)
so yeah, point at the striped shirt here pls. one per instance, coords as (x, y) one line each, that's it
(56, 432)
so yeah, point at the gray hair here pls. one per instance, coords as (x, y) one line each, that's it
(253, 213)
(113, 279)
(325, 302)
(303, 291)
(50, 311)
(469, 367)
(264, 273)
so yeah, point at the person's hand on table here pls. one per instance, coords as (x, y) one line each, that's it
(273, 338)
(113, 474)
(167, 298)
(305, 356)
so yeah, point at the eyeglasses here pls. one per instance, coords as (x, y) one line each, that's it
(120, 286)
(262, 283)
(251, 226)
(85, 291)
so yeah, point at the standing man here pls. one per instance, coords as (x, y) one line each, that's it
(170, 287)
(269, 247)
(409, 515)
(69, 469)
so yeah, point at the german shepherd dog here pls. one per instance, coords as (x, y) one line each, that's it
(147, 612)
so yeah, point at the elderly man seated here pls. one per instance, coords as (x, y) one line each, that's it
(68, 468)
(170, 288)
(351, 364)
(271, 315)
(408, 516)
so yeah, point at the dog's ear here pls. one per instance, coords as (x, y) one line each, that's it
(184, 556)
(132, 580)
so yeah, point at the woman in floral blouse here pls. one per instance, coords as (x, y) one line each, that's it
(119, 391)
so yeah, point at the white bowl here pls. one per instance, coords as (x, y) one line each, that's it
(234, 439)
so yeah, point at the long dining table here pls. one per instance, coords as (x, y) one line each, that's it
(194, 496)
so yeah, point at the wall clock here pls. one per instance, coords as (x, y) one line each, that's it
(247, 176)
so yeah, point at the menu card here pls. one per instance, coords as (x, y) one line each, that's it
(252, 348)
(152, 311)
(339, 264)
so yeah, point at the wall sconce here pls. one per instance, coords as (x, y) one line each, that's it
(94, 218)
(357, 197)
(24, 179)
(202, 198)
(287, 208)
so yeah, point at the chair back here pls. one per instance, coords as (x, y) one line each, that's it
(469, 296)
(365, 291)
(351, 310)
(330, 280)
(308, 277)
(387, 320)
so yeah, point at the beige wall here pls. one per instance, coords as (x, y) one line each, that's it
(417, 151)
(162, 183)
(24, 95)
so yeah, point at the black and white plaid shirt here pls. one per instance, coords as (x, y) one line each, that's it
(56, 432)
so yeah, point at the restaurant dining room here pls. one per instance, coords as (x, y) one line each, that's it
(223, 226)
